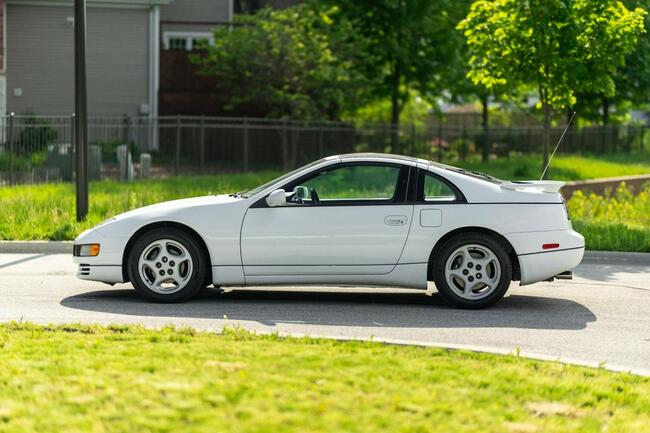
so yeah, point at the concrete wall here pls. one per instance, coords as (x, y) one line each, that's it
(601, 186)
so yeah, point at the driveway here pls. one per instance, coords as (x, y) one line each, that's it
(600, 317)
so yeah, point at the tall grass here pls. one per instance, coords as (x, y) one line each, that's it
(47, 211)
(618, 221)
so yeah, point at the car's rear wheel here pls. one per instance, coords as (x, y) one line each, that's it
(472, 270)
(167, 265)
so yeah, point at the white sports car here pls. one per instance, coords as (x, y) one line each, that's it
(357, 219)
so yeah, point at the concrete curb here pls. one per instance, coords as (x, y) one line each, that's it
(35, 247)
(484, 349)
(617, 257)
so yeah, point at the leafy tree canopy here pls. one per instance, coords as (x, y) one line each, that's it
(558, 46)
(632, 81)
(408, 46)
(283, 64)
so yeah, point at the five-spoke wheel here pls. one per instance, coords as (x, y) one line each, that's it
(472, 270)
(167, 265)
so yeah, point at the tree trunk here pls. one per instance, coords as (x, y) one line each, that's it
(395, 110)
(485, 154)
(546, 136)
(605, 102)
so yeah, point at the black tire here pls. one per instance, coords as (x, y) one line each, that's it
(442, 255)
(198, 274)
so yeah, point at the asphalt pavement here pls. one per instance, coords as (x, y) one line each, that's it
(601, 317)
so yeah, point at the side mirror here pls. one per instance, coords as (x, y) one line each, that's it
(277, 198)
(301, 192)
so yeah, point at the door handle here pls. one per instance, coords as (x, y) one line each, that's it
(396, 220)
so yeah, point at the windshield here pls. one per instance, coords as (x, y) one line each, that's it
(261, 188)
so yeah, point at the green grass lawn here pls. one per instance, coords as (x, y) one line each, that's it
(47, 211)
(620, 222)
(119, 379)
(564, 167)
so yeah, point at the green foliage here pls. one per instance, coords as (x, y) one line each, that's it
(564, 167)
(284, 63)
(35, 134)
(632, 82)
(21, 162)
(556, 46)
(407, 46)
(416, 111)
(618, 221)
(460, 149)
(131, 379)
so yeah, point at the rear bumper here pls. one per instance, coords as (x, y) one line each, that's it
(542, 266)
(104, 274)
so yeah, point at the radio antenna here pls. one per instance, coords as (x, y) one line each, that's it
(557, 145)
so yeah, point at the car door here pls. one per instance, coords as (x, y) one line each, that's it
(354, 220)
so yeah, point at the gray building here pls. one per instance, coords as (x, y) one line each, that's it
(183, 22)
(123, 42)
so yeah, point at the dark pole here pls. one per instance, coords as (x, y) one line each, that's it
(81, 109)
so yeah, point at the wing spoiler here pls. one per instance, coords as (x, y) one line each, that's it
(543, 185)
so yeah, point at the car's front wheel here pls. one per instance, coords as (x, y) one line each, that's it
(472, 270)
(167, 265)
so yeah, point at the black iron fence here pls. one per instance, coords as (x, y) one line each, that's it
(39, 148)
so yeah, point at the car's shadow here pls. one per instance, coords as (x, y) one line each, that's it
(401, 310)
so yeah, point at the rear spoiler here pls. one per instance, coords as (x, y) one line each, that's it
(543, 185)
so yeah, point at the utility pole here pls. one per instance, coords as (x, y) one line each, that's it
(81, 109)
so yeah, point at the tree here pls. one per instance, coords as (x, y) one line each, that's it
(281, 63)
(632, 81)
(463, 90)
(409, 47)
(559, 47)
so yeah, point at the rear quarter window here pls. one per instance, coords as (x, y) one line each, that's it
(437, 190)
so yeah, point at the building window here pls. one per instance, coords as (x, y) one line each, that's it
(186, 41)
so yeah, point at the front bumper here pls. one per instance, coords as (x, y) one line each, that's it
(106, 274)
(107, 265)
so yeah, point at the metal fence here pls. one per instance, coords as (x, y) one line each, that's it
(39, 148)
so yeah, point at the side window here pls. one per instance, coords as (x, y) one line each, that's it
(354, 182)
(437, 190)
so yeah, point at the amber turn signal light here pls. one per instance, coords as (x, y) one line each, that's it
(86, 250)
